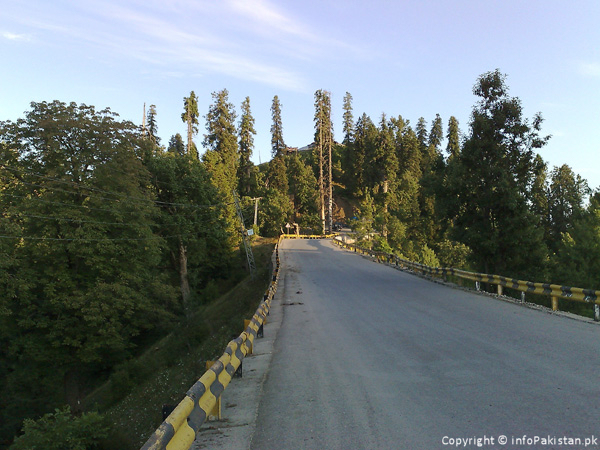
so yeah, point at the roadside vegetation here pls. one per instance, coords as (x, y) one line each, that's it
(120, 262)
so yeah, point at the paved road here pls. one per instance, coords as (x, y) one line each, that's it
(369, 357)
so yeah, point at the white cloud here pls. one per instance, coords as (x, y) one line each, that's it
(15, 37)
(589, 69)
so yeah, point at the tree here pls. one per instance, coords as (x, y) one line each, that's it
(190, 117)
(73, 205)
(384, 164)
(189, 222)
(62, 431)
(422, 134)
(491, 182)
(437, 133)
(152, 125)
(453, 136)
(348, 119)
(222, 156)
(246, 134)
(323, 149)
(349, 127)
(176, 145)
(304, 193)
(579, 250)
(566, 195)
(277, 175)
(277, 144)
(364, 140)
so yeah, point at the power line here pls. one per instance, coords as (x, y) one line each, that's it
(37, 238)
(67, 219)
(118, 194)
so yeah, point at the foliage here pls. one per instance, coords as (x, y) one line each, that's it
(490, 182)
(62, 431)
(276, 211)
(222, 154)
(190, 117)
(246, 145)
(277, 144)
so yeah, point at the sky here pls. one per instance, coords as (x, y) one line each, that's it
(410, 58)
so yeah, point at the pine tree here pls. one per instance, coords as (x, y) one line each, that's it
(176, 145)
(190, 117)
(152, 125)
(277, 144)
(437, 133)
(222, 156)
(453, 136)
(323, 154)
(348, 120)
(566, 194)
(246, 134)
(491, 183)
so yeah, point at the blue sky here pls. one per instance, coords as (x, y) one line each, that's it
(413, 59)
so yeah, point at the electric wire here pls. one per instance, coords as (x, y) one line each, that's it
(118, 194)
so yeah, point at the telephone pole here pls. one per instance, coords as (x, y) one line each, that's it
(245, 240)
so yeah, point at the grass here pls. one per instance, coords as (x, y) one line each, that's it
(132, 399)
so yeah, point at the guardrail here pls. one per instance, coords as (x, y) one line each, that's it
(555, 291)
(308, 236)
(179, 429)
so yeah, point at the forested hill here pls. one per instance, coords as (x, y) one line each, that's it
(108, 238)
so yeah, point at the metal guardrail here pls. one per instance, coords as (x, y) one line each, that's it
(179, 429)
(555, 291)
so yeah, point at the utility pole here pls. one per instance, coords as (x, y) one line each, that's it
(144, 121)
(256, 199)
(246, 241)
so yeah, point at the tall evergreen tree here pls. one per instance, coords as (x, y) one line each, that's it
(176, 145)
(453, 136)
(348, 120)
(491, 182)
(246, 134)
(436, 135)
(277, 144)
(566, 194)
(422, 133)
(152, 125)
(190, 117)
(304, 193)
(222, 157)
(323, 154)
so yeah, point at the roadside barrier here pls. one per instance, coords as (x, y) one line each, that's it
(308, 236)
(555, 291)
(179, 429)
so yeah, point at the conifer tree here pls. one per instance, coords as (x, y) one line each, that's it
(176, 145)
(152, 125)
(246, 135)
(453, 136)
(277, 144)
(348, 120)
(190, 117)
(491, 182)
(222, 156)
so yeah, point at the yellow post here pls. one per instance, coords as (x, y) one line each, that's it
(499, 289)
(215, 414)
(251, 347)
(554, 303)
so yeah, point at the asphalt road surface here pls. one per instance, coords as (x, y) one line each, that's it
(369, 357)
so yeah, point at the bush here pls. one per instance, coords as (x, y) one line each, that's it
(62, 431)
